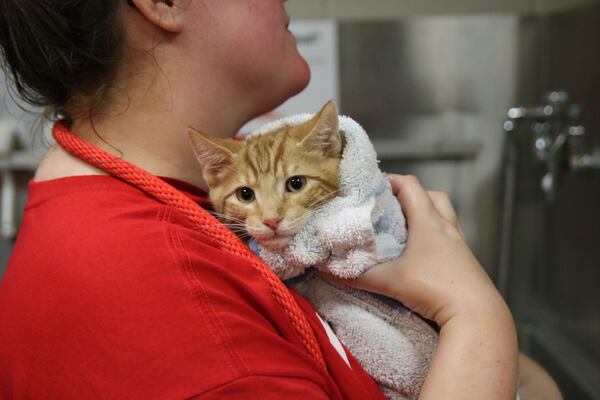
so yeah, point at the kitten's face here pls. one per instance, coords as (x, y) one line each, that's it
(271, 183)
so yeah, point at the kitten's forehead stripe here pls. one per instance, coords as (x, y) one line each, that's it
(247, 179)
(249, 161)
(271, 154)
(263, 155)
(279, 153)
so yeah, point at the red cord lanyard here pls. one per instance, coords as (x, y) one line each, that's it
(198, 216)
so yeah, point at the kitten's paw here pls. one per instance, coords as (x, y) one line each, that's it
(348, 229)
(352, 264)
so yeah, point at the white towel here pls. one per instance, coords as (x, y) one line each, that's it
(394, 345)
(362, 226)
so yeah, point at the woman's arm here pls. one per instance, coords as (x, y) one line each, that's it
(475, 359)
(534, 382)
(438, 277)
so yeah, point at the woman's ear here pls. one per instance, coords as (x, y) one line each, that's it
(166, 14)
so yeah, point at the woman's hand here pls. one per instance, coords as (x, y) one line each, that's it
(440, 278)
(437, 275)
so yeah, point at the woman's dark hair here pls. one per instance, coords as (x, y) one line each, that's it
(62, 54)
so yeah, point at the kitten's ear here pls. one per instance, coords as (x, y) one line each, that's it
(214, 154)
(325, 134)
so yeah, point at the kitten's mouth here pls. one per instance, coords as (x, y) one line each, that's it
(275, 242)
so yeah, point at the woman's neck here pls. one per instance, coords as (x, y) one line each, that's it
(146, 116)
(153, 135)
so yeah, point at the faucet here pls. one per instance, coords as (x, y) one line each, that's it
(558, 135)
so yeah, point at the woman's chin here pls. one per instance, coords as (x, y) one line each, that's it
(301, 77)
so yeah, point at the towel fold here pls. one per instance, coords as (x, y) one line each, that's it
(393, 344)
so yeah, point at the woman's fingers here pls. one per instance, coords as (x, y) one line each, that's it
(443, 205)
(415, 201)
(376, 279)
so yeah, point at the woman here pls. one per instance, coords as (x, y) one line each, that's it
(110, 293)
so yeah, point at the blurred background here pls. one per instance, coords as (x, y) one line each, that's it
(496, 102)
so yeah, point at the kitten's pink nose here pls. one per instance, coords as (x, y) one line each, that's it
(272, 222)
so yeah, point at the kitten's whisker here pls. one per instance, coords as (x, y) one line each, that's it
(324, 198)
(230, 227)
(222, 215)
(236, 231)
(226, 217)
(228, 224)
(239, 229)
(244, 236)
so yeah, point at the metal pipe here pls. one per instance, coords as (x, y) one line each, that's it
(508, 209)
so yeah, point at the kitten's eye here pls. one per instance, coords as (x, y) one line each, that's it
(245, 194)
(295, 183)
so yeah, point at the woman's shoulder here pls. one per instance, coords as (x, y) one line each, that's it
(114, 228)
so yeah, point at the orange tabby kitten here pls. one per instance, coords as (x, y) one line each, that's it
(269, 184)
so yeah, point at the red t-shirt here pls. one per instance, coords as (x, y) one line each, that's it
(110, 294)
